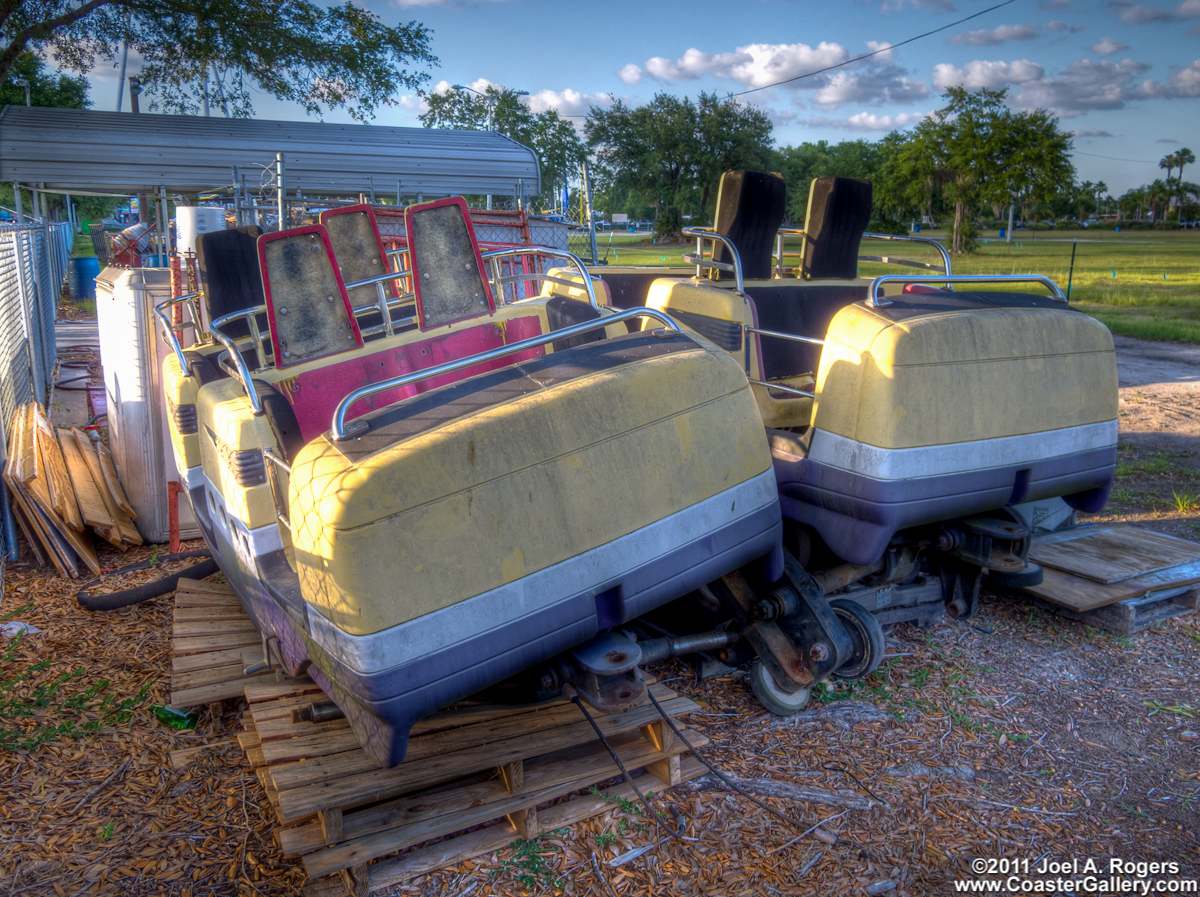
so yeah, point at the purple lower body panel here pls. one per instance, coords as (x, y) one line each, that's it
(858, 515)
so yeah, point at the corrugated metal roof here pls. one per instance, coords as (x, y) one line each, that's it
(83, 149)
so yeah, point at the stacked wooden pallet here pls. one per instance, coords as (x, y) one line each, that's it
(347, 817)
(65, 488)
(1117, 577)
(213, 642)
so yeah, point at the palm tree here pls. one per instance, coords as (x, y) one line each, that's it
(1101, 187)
(1184, 157)
(1169, 163)
(1159, 193)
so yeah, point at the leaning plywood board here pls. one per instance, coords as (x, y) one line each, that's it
(123, 528)
(1079, 594)
(59, 532)
(1112, 553)
(62, 495)
(113, 482)
(91, 505)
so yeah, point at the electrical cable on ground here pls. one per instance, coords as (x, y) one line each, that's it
(654, 814)
(138, 594)
(720, 775)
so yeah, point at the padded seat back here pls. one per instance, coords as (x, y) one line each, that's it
(790, 307)
(750, 208)
(838, 212)
(308, 311)
(358, 248)
(229, 274)
(447, 269)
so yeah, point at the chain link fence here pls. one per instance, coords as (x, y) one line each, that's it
(33, 265)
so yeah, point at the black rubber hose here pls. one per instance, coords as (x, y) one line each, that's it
(138, 594)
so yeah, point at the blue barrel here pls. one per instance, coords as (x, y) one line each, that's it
(81, 277)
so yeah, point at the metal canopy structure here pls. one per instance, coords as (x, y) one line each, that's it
(82, 150)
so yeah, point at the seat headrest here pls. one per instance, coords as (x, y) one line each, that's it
(308, 311)
(750, 208)
(229, 275)
(838, 212)
(447, 269)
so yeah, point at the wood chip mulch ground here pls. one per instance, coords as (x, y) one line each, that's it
(1016, 733)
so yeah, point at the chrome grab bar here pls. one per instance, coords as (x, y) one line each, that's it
(876, 299)
(280, 501)
(546, 251)
(782, 388)
(796, 338)
(169, 326)
(904, 238)
(343, 431)
(707, 233)
(239, 363)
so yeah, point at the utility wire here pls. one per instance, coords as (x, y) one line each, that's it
(887, 49)
(1113, 158)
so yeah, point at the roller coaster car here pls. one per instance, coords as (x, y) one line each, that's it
(907, 421)
(418, 491)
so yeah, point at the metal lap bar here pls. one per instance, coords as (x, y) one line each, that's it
(698, 259)
(907, 239)
(239, 364)
(384, 305)
(876, 299)
(343, 431)
(812, 340)
(280, 500)
(780, 235)
(789, 389)
(496, 254)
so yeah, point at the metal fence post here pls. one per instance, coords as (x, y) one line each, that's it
(32, 331)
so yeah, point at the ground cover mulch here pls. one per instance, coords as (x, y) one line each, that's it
(1017, 733)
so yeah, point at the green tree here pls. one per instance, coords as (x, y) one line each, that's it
(976, 151)
(1184, 157)
(554, 139)
(671, 151)
(45, 89)
(847, 159)
(319, 56)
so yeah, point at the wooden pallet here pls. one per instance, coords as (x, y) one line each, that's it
(1132, 615)
(465, 767)
(213, 642)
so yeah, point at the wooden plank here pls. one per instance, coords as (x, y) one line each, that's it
(214, 627)
(25, 447)
(112, 482)
(1079, 594)
(220, 691)
(91, 505)
(319, 744)
(80, 543)
(204, 587)
(192, 600)
(487, 840)
(1113, 553)
(558, 772)
(213, 642)
(267, 691)
(34, 543)
(210, 613)
(349, 780)
(189, 662)
(38, 528)
(211, 676)
(62, 495)
(123, 529)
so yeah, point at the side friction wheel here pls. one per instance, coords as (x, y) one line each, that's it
(771, 696)
(865, 633)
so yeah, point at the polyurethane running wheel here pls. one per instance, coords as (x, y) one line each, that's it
(865, 633)
(771, 696)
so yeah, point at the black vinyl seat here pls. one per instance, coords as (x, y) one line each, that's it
(229, 274)
(750, 209)
(839, 210)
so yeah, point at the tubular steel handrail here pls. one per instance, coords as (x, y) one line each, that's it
(239, 363)
(169, 326)
(494, 255)
(876, 299)
(707, 233)
(794, 337)
(343, 431)
(904, 238)
(793, 390)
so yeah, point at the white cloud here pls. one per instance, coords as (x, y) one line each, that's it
(754, 65)
(567, 102)
(414, 104)
(887, 56)
(479, 84)
(869, 121)
(1135, 14)
(926, 5)
(403, 4)
(1085, 85)
(1108, 46)
(1165, 140)
(1186, 81)
(985, 73)
(1090, 132)
(985, 37)
(630, 74)
(886, 84)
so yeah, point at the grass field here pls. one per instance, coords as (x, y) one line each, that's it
(1144, 284)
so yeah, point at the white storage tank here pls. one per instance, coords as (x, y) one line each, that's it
(132, 351)
(191, 221)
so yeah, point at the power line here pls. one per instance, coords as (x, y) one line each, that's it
(1113, 158)
(888, 49)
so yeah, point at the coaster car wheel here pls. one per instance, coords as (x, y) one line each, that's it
(771, 696)
(867, 636)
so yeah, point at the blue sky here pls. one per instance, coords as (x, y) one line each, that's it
(1124, 75)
